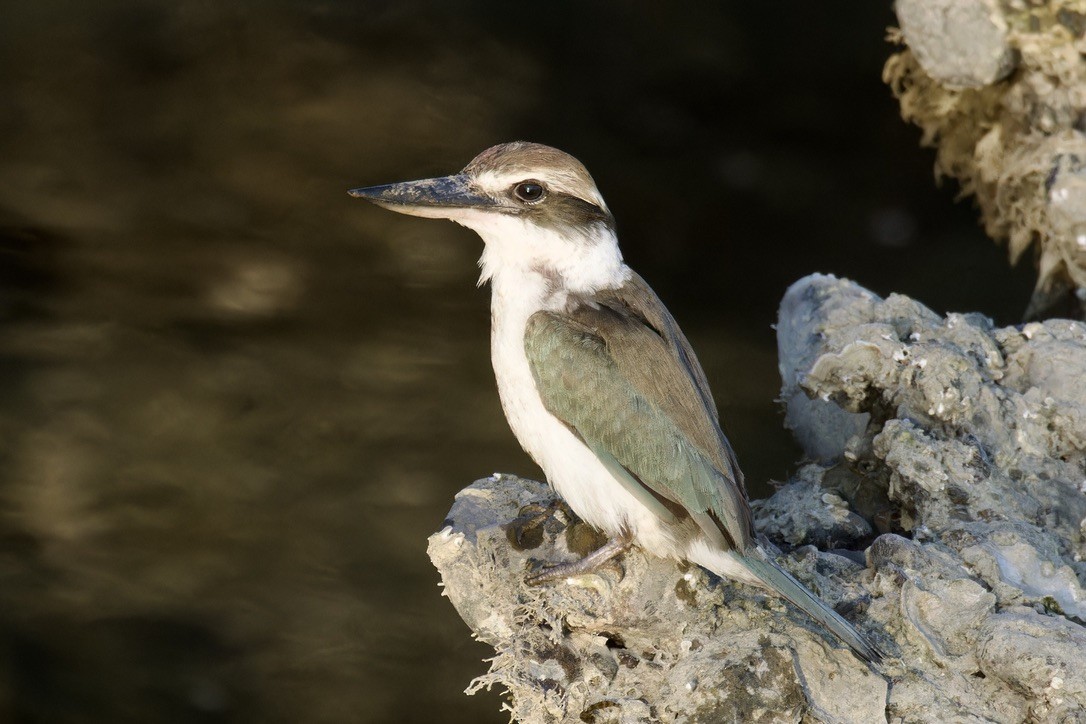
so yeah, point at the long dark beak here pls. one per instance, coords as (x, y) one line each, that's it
(439, 198)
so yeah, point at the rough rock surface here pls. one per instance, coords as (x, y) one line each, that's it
(999, 89)
(970, 468)
(646, 640)
(961, 43)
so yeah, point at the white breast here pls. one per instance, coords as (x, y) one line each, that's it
(571, 468)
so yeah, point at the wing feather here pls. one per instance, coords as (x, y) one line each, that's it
(623, 377)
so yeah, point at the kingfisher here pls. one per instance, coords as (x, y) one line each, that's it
(597, 381)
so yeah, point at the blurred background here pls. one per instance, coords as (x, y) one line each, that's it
(234, 402)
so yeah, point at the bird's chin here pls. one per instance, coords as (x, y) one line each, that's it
(485, 222)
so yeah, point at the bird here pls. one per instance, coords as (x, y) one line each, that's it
(598, 383)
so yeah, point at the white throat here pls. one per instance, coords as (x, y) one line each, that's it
(524, 282)
(570, 261)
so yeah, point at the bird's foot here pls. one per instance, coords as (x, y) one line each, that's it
(590, 563)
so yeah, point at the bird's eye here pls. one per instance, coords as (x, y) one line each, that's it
(529, 191)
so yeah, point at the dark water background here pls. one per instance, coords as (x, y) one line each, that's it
(234, 401)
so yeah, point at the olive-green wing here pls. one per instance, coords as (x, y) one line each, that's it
(636, 298)
(626, 389)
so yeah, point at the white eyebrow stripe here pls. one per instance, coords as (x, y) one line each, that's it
(567, 183)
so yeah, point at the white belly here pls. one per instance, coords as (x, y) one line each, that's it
(571, 468)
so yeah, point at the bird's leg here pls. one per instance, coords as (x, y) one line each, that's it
(588, 564)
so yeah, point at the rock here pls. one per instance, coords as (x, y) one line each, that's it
(971, 463)
(1051, 673)
(805, 512)
(978, 435)
(826, 440)
(1013, 140)
(961, 43)
(646, 640)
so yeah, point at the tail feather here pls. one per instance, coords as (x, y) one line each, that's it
(784, 584)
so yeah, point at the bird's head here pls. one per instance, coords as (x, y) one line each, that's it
(536, 208)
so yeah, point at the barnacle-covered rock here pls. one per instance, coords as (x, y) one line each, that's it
(1013, 140)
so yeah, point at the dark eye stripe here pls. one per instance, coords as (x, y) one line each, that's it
(562, 211)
